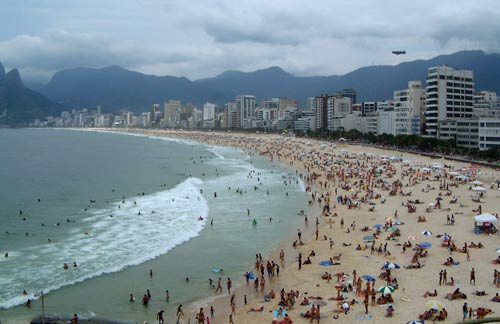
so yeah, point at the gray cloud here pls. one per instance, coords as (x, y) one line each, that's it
(201, 38)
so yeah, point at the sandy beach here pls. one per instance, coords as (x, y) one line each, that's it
(353, 188)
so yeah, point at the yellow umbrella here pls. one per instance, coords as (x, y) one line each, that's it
(434, 304)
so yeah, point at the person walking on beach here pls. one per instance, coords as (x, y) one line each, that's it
(472, 277)
(229, 285)
(299, 233)
(440, 277)
(179, 311)
(201, 316)
(212, 312)
(300, 261)
(159, 316)
(219, 286)
(465, 311)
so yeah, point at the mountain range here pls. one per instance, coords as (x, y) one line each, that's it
(115, 88)
(18, 104)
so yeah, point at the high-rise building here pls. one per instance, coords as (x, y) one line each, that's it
(208, 111)
(246, 107)
(449, 97)
(349, 93)
(172, 112)
(409, 105)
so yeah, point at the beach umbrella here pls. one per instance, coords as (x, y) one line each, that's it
(412, 238)
(479, 188)
(386, 290)
(368, 238)
(445, 237)
(345, 306)
(434, 304)
(427, 232)
(391, 266)
(415, 322)
(498, 251)
(378, 226)
(477, 182)
(368, 277)
(439, 198)
(486, 217)
(453, 173)
(424, 244)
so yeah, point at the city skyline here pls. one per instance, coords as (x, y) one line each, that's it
(203, 39)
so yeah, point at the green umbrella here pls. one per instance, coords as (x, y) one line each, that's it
(386, 290)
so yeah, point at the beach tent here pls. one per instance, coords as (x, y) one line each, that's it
(486, 218)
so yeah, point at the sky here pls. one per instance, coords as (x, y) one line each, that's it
(202, 38)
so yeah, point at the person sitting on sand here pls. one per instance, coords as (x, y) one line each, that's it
(256, 309)
(312, 253)
(305, 301)
(287, 319)
(452, 282)
(390, 311)
(496, 298)
(307, 261)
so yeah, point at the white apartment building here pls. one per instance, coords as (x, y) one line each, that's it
(488, 133)
(409, 104)
(449, 96)
(246, 107)
(386, 121)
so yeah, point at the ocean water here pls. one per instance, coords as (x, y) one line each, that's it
(120, 206)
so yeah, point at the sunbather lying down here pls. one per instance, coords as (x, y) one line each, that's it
(256, 309)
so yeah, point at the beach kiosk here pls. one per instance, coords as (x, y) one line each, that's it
(484, 224)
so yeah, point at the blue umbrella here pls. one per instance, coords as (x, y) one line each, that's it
(378, 225)
(415, 322)
(368, 277)
(391, 266)
(427, 232)
(368, 238)
(425, 244)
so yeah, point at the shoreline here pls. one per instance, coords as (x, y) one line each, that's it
(305, 281)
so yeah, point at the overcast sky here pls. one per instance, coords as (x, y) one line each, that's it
(202, 38)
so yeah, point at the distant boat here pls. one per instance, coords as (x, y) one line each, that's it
(398, 52)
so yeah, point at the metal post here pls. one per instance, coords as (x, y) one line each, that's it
(43, 310)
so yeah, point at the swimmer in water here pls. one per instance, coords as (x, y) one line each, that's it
(65, 266)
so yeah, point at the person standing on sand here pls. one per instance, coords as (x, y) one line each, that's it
(229, 285)
(472, 277)
(465, 311)
(300, 261)
(212, 312)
